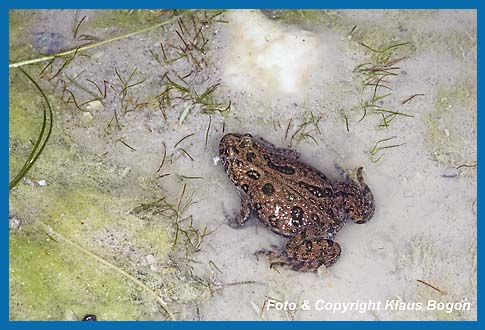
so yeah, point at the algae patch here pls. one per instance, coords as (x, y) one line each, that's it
(96, 263)
(19, 46)
(49, 280)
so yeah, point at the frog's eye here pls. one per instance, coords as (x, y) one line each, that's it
(246, 141)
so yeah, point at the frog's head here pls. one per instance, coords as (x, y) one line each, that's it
(231, 143)
(230, 150)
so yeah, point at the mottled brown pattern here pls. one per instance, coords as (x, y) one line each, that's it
(293, 199)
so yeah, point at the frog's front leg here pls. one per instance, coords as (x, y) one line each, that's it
(306, 251)
(244, 213)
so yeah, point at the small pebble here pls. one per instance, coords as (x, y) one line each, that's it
(86, 117)
(450, 172)
(90, 317)
(97, 55)
(150, 258)
(216, 160)
(94, 105)
(42, 183)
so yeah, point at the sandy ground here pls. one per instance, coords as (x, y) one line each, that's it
(291, 77)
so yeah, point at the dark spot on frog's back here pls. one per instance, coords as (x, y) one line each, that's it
(268, 189)
(250, 156)
(296, 223)
(308, 245)
(273, 221)
(296, 213)
(314, 190)
(281, 168)
(253, 174)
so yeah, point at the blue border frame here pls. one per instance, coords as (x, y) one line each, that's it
(6, 5)
(249, 4)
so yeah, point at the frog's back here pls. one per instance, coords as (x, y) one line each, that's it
(288, 194)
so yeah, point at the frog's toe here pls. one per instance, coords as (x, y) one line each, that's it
(238, 220)
(277, 264)
(342, 172)
(233, 223)
(276, 258)
(268, 253)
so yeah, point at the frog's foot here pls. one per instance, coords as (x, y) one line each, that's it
(276, 257)
(237, 221)
(366, 203)
(342, 172)
(241, 217)
(358, 202)
(307, 254)
(349, 176)
(275, 253)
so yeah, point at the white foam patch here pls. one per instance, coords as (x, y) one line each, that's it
(264, 56)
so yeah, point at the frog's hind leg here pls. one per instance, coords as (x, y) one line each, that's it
(359, 200)
(305, 253)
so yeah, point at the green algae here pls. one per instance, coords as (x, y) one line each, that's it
(19, 46)
(47, 279)
(88, 204)
(99, 222)
(452, 124)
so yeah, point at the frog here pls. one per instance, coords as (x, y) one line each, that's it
(293, 199)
